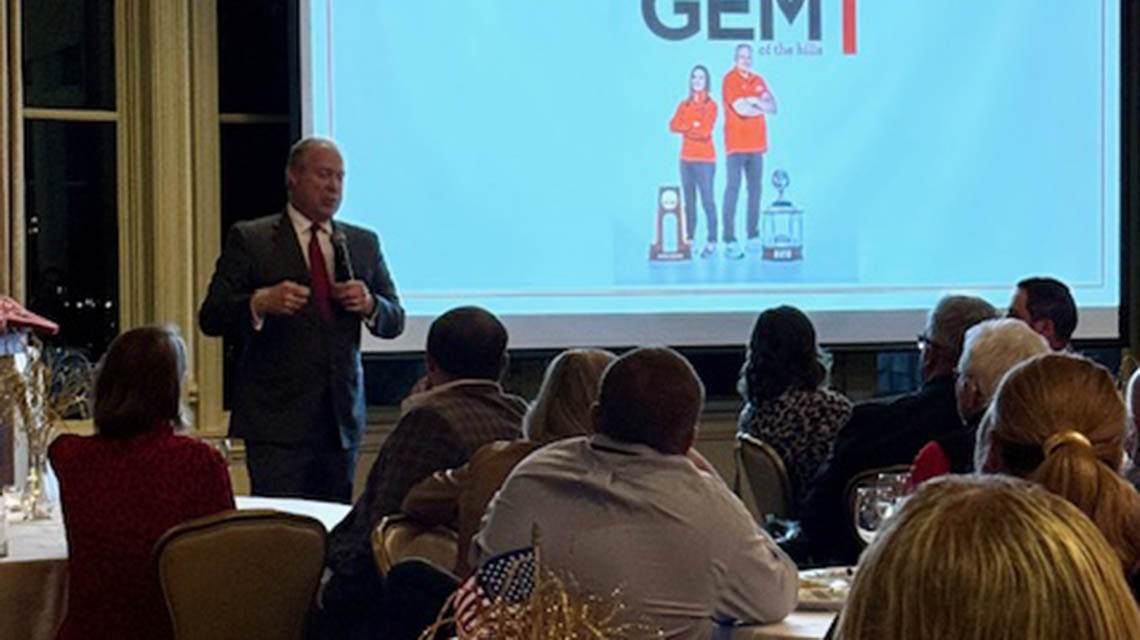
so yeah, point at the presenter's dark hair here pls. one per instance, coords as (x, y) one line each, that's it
(651, 396)
(708, 80)
(1050, 298)
(782, 356)
(138, 382)
(468, 342)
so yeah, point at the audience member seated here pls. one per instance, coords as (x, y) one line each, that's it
(889, 432)
(990, 350)
(1132, 428)
(1046, 305)
(1058, 420)
(457, 498)
(460, 408)
(787, 404)
(125, 486)
(988, 557)
(416, 589)
(626, 508)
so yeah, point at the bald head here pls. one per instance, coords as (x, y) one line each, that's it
(651, 396)
(468, 342)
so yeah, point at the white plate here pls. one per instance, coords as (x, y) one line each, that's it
(825, 589)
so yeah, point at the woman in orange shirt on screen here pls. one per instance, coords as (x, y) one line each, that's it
(694, 120)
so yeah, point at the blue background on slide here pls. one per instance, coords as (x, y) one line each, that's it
(511, 150)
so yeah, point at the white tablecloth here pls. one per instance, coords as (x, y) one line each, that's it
(33, 577)
(329, 513)
(799, 625)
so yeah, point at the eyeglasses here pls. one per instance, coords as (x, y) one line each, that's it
(925, 341)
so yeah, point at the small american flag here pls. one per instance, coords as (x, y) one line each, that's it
(508, 576)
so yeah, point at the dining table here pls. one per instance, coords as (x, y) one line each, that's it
(33, 575)
(33, 578)
(798, 625)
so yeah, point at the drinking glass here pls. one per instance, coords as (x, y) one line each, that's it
(12, 497)
(873, 506)
(3, 526)
(896, 484)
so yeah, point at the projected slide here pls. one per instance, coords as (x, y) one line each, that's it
(652, 159)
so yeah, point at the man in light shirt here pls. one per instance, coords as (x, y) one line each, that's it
(626, 508)
(293, 289)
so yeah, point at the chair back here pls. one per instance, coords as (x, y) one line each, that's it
(248, 574)
(398, 537)
(767, 477)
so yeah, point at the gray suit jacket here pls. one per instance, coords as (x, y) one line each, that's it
(286, 368)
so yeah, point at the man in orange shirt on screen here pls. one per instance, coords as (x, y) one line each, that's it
(746, 100)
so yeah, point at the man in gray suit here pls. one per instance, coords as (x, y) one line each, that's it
(294, 288)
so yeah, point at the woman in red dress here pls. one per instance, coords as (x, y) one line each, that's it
(128, 484)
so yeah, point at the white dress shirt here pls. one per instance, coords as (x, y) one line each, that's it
(304, 228)
(674, 539)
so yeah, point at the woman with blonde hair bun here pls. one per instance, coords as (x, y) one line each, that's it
(1058, 420)
(988, 558)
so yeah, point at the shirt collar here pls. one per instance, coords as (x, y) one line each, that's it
(301, 224)
(416, 400)
(602, 442)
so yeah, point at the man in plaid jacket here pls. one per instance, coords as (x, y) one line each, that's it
(460, 408)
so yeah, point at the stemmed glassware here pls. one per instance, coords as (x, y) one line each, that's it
(876, 503)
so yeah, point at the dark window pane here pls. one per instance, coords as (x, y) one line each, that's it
(72, 229)
(253, 185)
(253, 56)
(69, 53)
(253, 170)
(898, 372)
(389, 378)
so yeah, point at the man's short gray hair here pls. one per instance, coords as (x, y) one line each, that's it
(993, 347)
(954, 314)
(297, 151)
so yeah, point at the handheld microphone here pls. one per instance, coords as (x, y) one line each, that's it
(341, 243)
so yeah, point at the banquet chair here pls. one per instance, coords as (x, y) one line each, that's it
(241, 574)
(398, 537)
(767, 477)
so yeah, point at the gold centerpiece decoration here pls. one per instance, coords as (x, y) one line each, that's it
(39, 387)
(534, 602)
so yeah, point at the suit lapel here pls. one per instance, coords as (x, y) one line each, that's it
(288, 252)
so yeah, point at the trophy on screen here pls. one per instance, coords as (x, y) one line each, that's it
(782, 225)
(670, 246)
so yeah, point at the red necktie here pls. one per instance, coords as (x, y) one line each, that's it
(320, 288)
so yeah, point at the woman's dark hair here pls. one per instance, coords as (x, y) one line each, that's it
(782, 356)
(708, 80)
(138, 383)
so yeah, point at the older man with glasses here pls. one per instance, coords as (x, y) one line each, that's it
(891, 431)
(990, 350)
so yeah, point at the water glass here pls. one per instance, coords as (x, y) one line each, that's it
(873, 506)
(3, 526)
(897, 485)
(13, 497)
